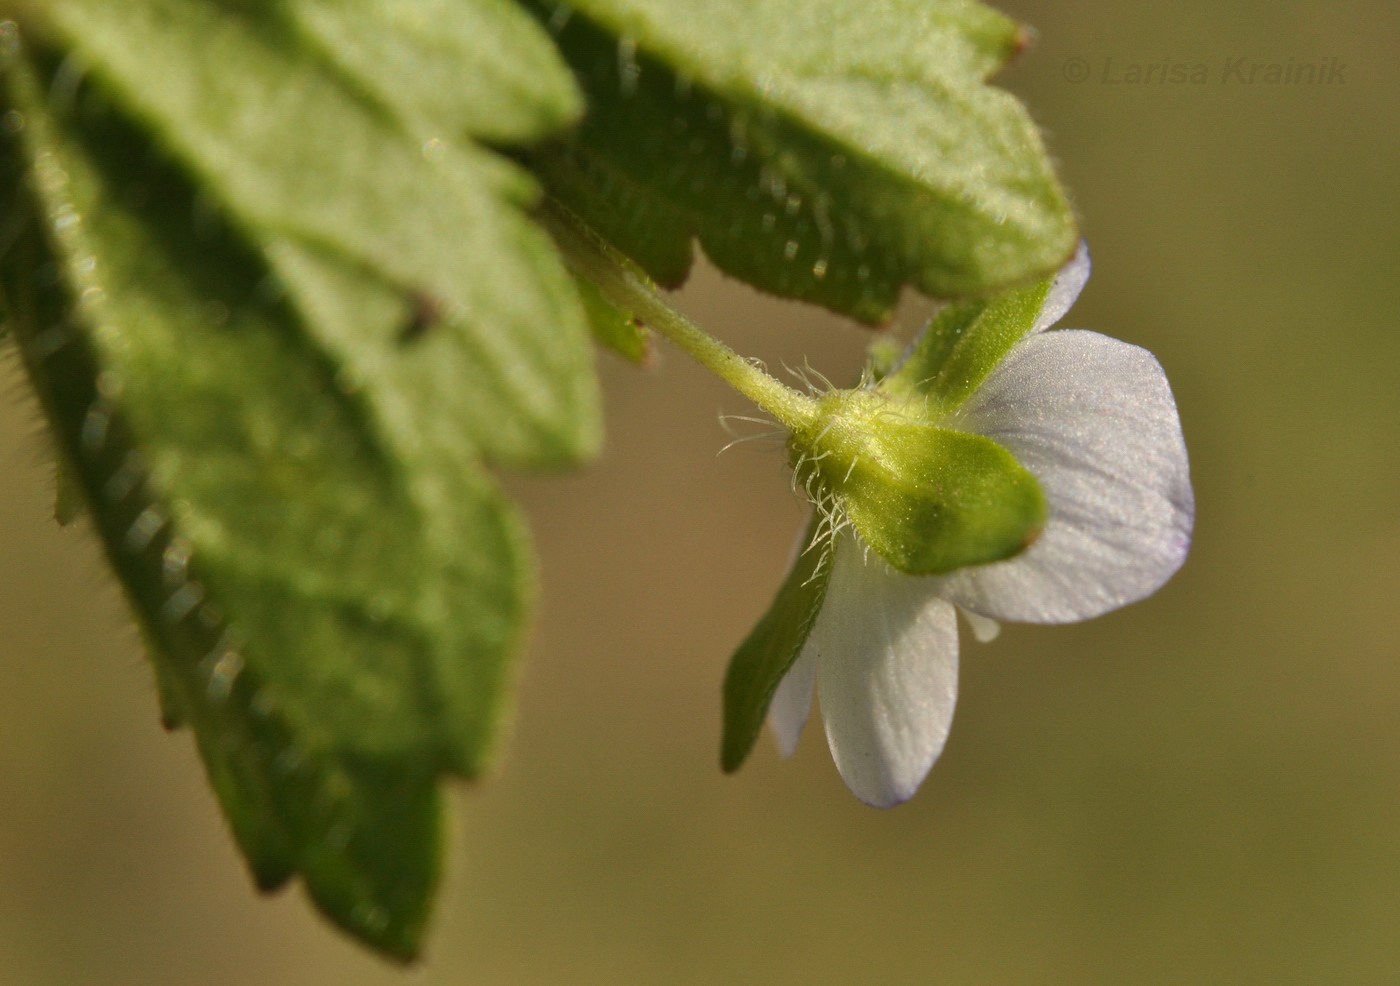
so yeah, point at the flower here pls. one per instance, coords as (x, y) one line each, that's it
(1093, 420)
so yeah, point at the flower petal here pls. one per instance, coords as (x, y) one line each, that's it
(886, 650)
(1094, 420)
(792, 703)
(1064, 291)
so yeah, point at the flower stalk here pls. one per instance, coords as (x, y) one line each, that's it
(632, 291)
(791, 408)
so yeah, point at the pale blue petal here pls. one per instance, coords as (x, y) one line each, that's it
(1064, 292)
(886, 651)
(792, 703)
(1094, 420)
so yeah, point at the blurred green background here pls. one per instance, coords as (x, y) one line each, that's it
(1203, 788)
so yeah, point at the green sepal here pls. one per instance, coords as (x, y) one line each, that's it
(767, 654)
(963, 344)
(882, 357)
(826, 151)
(927, 499)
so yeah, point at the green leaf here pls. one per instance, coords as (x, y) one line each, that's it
(619, 331)
(446, 68)
(819, 149)
(290, 150)
(449, 68)
(615, 324)
(761, 661)
(624, 211)
(928, 499)
(963, 344)
(67, 500)
(281, 441)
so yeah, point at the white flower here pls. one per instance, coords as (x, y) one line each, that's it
(1094, 421)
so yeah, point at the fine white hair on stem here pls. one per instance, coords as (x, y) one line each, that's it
(808, 368)
(805, 374)
(724, 420)
(771, 432)
(797, 471)
(760, 436)
(801, 377)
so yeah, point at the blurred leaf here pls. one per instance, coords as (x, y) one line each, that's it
(67, 499)
(819, 149)
(291, 150)
(279, 421)
(761, 661)
(451, 68)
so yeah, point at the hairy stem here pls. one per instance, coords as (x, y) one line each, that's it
(631, 291)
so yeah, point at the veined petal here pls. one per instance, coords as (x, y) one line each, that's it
(886, 652)
(1064, 290)
(792, 703)
(1094, 421)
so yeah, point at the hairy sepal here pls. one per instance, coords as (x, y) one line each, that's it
(926, 498)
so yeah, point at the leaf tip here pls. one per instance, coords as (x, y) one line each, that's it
(1021, 41)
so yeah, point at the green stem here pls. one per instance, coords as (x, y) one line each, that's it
(791, 408)
(632, 292)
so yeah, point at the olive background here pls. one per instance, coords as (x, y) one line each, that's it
(1201, 788)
